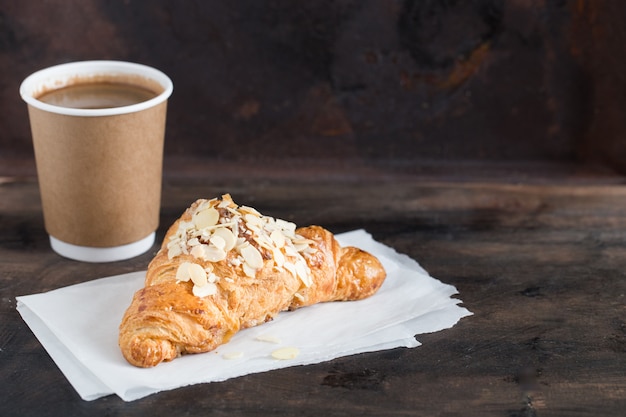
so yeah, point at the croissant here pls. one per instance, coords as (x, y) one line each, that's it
(223, 267)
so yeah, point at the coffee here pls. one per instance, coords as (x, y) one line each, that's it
(97, 95)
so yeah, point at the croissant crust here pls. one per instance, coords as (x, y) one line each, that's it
(223, 267)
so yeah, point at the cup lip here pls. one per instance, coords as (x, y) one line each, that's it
(56, 76)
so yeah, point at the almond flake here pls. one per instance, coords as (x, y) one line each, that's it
(185, 225)
(251, 210)
(182, 273)
(279, 258)
(218, 241)
(206, 218)
(278, 238)
(248, 270)
(285, 353)
(300, 246)
(290, 267)
(198, 251)
(252, 256)
(224, 204)
(285, 225)
(264, 242)
(173, 251)
(254, 228)
(227, 235)
(213, 254)
(197, 274)
(232, 211)
(204, 290)
(290, 251)
(303, 273)
(252, 219)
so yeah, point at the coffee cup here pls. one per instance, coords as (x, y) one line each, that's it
(98, 130)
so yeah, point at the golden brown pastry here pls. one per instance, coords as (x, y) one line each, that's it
(224, 267)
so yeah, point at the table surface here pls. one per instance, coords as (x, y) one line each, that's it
(540, 265)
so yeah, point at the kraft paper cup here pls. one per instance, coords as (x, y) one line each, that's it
(99, 170)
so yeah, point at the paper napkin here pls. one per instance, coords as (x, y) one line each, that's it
(78, 326)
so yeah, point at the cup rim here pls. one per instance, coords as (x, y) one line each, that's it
(57, 76)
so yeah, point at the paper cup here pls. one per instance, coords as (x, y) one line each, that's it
(99, 169)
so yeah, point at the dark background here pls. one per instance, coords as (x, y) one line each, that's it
(406, 85)
(371, 100)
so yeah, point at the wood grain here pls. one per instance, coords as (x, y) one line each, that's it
(540, 266)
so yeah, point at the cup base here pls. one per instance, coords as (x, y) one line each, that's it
(96, 255)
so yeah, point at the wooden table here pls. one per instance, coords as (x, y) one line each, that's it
(540, 264)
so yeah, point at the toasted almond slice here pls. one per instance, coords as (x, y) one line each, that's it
(202, 203)
(253, 219)
(290, 267)
(182, 273)
(233, 211)
(301, 247)
(248, 270)
(300, 243)
(204, 290)
(303, 273)
(290, 251)
(198, 251)
(254, 228)
(218, 241)
(264, 242)
(224, 203)
(173, 251)
(197, 274)
(288, 228)
(185, 225)
(227, 235)
(285, 353)
(279, 258)
(251, 210)
(206, 218)
(252, 256)
(278, 238)
(213, 254)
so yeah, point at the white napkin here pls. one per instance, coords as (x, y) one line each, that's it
(78, 326)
